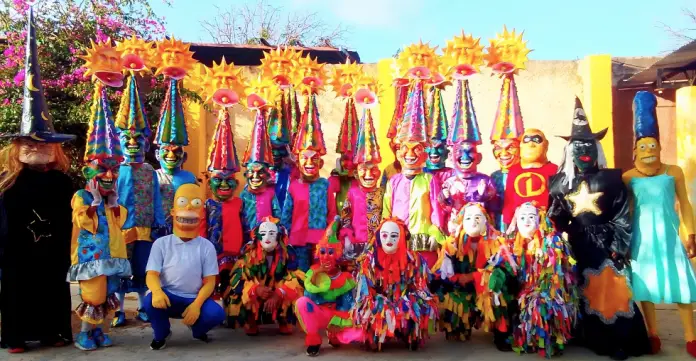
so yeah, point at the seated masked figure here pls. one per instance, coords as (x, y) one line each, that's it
(547, 299)
(471, 279)
(328, 297)
(262, 289)
(393, 300)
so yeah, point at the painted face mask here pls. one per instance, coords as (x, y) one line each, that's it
(171, 157)
(222, 184)
(584, 154)
(310, 164)
(533, 147)
(36, 153)
(466, 157)
(279, 155)
(647, 152)
(389, 236)
(257, 176)
(527, 219)
(412, 157)
(506, 152)
(475, 222)
(437, 155)
(186, 213)
(134, 145)
(268, 236)
(105, 171)
(347, 166)
(368, 175)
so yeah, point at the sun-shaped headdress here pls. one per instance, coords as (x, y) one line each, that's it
(312, 75)
(418, 61)
(223, 84)
(463, 56)
(136, 54)
(507, 53)
(343, 78)
(103, 61)
(175, 58)
(279, 64)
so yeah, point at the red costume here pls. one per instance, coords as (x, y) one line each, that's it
(526, 185)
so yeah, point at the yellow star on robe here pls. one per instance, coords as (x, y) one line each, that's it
(584, 201)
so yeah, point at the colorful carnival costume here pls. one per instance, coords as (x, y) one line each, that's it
(138, 187)
(661, 271)
(437, 147)
(181, 274)
(402, 91)
(393, 300)
(262, 288)
(547, 299)
(99, 258)
(309, 204)
(471, 283)
(172, 134)
(328, 297)
(34, 221)
(591, 205)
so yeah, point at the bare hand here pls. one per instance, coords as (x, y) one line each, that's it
(272, 303)
(691, 246)
(263, 292)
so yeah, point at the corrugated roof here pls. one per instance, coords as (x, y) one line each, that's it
(251, 55)
(682, 58)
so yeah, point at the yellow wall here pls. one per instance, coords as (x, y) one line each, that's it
(686, 136)
(595, 71)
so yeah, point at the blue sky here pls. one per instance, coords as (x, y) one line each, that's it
(379, 27)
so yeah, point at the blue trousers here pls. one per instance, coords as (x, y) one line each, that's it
(303, 257)
(212, 315)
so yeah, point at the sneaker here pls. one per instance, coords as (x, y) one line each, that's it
(119, 319)
(142, 316)
(85, 342)
(205, 338)
(159, 345)
(20, 349)
(313, 351)
(102, 339)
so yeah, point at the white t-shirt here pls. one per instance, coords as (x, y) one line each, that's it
(183, 265)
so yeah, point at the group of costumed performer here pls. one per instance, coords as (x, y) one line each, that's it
(35, 225)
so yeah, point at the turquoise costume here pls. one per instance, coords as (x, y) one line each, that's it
(670, 277)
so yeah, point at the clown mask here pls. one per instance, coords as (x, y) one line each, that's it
(222, 184)
(646, 155)
(36, 153)
(527, 219)
(279, 155)
(105, 172)
(368, 175)
(310, 164)
(437, 155)
(533, 148)
(171, 157)
(346, 167)
(186, 213)
(412, 157)
(389, 236)
(135, 145)
(506, 152)
(257, 176)
(585, 154)
(475, 221)
(466, 157)
(268, 236)
(329, 255)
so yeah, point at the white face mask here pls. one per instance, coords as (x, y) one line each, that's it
(475, 222)
(389, 236)
(268, 231)
(527, 221)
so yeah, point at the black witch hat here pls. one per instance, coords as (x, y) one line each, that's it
(581, 126)
(36, 123)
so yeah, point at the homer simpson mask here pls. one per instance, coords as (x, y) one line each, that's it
(186, 213)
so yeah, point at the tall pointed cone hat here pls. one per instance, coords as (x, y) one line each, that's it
(348, 135)
(172, 125)
(36, 122)
(367, 148)
(464, 126)
(331, 233)
(131, 113)
(645, 116)
(293, 112)
(399, 110)
(508, 122)
(309, 134)
(580, 129)
(102, 139)
(259, 148)
(414, 127)
(223, 154)
(437, 117)
(279, 129)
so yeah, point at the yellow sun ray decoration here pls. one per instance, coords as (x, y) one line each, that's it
(463, 56)
(418, 61)
(103, 62)
(507, 53)
(280, 65)
(370, 84)
(343, 78)
(175, 58)
(137, 55)
(262, 92)
(223, 84)
(312, 75)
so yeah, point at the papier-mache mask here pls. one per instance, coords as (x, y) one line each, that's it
(222, 184)
(187, 210)
(506, 152)
(310, 164)
(368, 175)
(389, 236)
(437, 155)
(527, 220)
(257, 175)
(533, 147)
(466, 157)
(330, 249)
(36, 153)
(105, 171)
(474, 220)
(171, 157)
(412, 157)
(135, 145)
(268, 235)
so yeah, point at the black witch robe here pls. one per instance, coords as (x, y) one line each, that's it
(595, 215)
(36, 226)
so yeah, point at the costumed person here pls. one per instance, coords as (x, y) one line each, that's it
(99, 257)
(309, 204)
(35, 221)
(181, 273)
(258, 196)
(392, 297)
(328, 297)
(362, 209)
(661, 271)
(402, 90)
(262, 288)
(412, 195)
(436, 162)
(591, 204)
(547, 299)
(138, 187)
(507, 55)
(471, 283)
(175, 61)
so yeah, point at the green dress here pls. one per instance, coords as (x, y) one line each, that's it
(660, 268)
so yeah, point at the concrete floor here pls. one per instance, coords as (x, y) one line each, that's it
(132, 343)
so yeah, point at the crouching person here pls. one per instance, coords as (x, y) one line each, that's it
(181, 273)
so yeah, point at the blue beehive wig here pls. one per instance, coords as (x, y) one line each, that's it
(644, 116)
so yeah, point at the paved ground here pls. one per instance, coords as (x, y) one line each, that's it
(132, 343)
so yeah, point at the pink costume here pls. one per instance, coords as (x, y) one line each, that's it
(361, 214)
